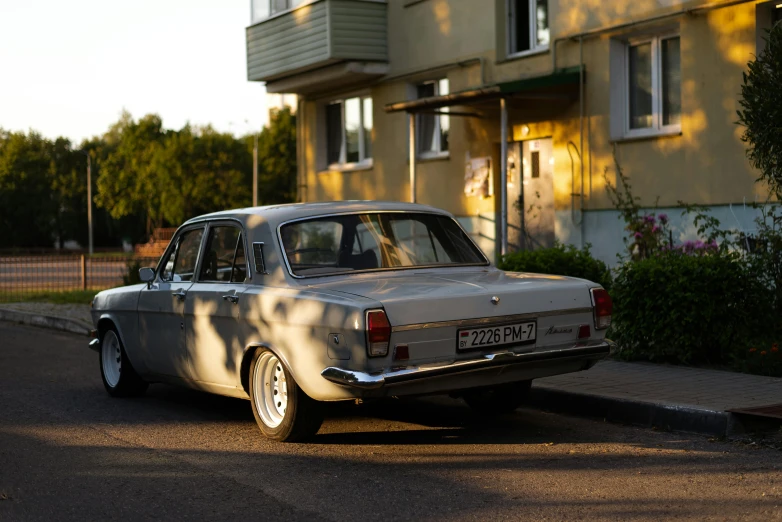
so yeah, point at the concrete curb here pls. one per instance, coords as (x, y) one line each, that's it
(52, 322)
(646, 414)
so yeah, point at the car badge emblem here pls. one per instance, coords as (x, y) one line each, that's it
(495, 300)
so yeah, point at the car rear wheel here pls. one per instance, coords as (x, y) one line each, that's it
(498, 400)
(281, 408)
(119, 377)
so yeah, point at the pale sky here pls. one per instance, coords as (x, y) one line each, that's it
(68, 68)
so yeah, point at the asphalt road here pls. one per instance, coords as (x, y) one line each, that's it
(70, 452)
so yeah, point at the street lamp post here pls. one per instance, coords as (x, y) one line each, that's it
(89, 198)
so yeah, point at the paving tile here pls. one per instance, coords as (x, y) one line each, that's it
(671, 385)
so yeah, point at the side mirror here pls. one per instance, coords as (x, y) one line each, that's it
(146, 275)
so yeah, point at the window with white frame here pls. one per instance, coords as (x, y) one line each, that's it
(262, 9)
(528, 28)
(653, 88)
(349, 131)
(433, 129)
(767, 15)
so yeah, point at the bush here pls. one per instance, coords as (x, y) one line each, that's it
(690, 309)
(132, 277)
(559, 260)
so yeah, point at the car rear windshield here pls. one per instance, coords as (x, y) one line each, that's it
(346, 243)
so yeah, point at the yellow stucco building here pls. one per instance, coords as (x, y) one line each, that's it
(508, 113)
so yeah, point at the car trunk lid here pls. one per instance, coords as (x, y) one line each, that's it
(421, 297)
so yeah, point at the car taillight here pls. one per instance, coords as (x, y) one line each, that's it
(378, 333)
(603, 308)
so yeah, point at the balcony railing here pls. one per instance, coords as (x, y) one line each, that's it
(342, 39)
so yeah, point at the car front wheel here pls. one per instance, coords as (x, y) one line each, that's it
(498, 400)
(119, 377)
(281, 408)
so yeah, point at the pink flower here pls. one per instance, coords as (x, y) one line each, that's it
(638, 235)
(649, 219)
(663, 218)
(655, 229)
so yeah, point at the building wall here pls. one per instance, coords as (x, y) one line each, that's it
(705, 164)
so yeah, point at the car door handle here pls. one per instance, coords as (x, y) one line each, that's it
(180, 295)
(233, 298)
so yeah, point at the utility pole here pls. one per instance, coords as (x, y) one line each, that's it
(89, 200)
(255, 169)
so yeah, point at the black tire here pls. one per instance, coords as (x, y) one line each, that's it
(295, 420)
(125, 382)
(498, 400)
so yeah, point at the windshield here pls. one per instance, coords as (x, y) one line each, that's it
(346, 243)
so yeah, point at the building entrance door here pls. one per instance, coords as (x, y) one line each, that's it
(530, 195)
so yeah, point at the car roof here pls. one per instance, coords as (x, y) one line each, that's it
(281, 213)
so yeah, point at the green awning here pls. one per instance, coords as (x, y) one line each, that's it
(556, 84)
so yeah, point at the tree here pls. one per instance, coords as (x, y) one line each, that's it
(200, 170)
(761, 111)
(28, 208)
(277, 159)
(68, 180)
(128, 183)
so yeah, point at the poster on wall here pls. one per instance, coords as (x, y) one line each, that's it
(477, 177)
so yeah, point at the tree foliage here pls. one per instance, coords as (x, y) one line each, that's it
(761, 111)
(144, 176)
(27, 207)
(277, 159)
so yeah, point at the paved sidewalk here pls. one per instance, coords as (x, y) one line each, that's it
(68, 317)
(673, 397)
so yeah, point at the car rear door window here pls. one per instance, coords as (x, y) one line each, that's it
(224, 259)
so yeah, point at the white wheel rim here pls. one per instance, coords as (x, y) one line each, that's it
(111, 355)
(270, 389)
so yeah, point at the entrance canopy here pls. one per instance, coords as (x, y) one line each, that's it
(561, 85)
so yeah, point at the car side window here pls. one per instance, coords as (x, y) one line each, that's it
(224, 259)
(181, 261)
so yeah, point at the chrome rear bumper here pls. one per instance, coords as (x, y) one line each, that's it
(589, 351)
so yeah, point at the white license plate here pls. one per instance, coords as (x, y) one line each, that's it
(490, 336)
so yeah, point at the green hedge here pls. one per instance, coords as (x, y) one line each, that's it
(559, 260)
(690, 309)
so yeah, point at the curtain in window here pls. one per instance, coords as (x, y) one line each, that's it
(279, 5)
(672, 82)
(640, 86)
(367, 127)
(260, 10)
(445, 120)
(541, 19)
(333, 132)
(426, 122)
(352, 129)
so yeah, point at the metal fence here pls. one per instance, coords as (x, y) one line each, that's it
(25, 276)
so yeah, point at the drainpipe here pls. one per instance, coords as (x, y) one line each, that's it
(503, 177)
(411, 119)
